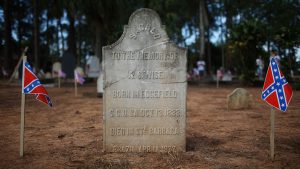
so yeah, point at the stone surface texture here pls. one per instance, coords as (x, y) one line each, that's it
(239, 99)
(144, 89)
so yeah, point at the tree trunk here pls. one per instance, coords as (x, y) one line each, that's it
(8, 62)
(98, 44)
(228, 26)
(57, 38)
(48, 38)
(79, 40)
(201, 29)
(36, 35)
(20, 33)
(62, 37)
(71, 36)
(208, 53)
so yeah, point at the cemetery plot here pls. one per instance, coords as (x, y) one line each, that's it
(70, 134)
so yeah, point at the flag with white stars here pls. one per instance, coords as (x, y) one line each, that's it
(276, 91)
(32, 85)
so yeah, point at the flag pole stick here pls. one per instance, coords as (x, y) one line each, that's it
(17, 66)
(272, 133)
(75, 83)
(22, 111)
(58, 80)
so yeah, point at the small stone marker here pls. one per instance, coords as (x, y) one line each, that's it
(239, 99)
(144, 106)
(56, 67)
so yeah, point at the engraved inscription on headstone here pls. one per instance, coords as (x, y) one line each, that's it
(144, 89)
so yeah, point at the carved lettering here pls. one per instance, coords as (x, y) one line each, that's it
(140, 131)
(143, 148)
(164, 131)
(146, 74)
(150, 113)
(121, 94)
(145, 28)
(145, 94)
(124, 149)
(144, 55)
(154, 94)
(118, 131)
(144, 99)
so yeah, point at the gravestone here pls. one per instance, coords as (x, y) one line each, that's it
(56, 67)
(144, 106)
(239, 99)
(93, 67)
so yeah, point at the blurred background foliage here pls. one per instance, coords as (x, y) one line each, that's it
(225, 33)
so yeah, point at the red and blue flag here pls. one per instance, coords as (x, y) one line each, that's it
(61, 74)
(32, 85)
(276, 90)
(78, 78)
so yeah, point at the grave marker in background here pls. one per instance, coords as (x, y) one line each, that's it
(240, 98)
(144, 89)
(93, 67)
(56, 67)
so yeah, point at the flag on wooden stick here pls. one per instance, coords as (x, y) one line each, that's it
(278, 94)
(61, 74)
(32, 85)
(276, 90)
(77, 79)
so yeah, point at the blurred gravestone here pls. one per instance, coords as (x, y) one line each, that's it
(239, 99)
(56, 67)
(144, 89)
(93, 67)
(68, 64)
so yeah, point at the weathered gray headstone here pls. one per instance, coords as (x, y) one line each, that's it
(239, 99)
(93, 67)
(56, 67)
(144, 89)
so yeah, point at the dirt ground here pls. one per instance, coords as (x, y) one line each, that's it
(69, 135)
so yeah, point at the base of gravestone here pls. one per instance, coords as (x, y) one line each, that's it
(100, 95)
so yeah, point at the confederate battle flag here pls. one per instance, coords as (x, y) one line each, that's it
(276, 91)
(32, 85)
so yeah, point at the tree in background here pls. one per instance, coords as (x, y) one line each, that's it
(247, 29)
(36, 33)
(8, 60)
(246, 45)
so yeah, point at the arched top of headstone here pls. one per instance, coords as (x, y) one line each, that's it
(145, 13)
(144, 29)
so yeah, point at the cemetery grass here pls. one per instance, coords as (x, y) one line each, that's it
(69, 135)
